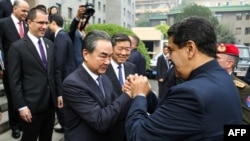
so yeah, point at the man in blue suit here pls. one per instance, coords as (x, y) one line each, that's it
(91, 107)
(196, 109)
(64, 52)
(6, 8)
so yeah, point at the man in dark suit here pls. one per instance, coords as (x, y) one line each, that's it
(136, 57)
(117, 71)
(35, 79)
(190, 111)
(91, 107)
(12, 28)
(64, 53)
(5, 8)
(162, 67)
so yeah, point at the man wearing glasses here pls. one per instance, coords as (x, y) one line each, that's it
(35, 79)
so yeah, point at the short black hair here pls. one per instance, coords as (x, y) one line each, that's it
(197, 29)
(42, 7)
(119, 37)
(57, 19)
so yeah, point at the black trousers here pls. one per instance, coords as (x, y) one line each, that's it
(14, 118)
(41, 126)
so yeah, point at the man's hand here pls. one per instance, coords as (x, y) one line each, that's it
(127, 88)
(26, 115)
(139, 84)
(59, 102)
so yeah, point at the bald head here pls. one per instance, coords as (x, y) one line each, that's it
(20, 9)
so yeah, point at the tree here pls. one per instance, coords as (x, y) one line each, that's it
(143, 20)
(112, 29)
(223, 33)
(197, 10)
(163, 27)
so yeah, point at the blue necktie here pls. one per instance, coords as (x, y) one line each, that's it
(120, 75)
(43, 57)
(99, 79)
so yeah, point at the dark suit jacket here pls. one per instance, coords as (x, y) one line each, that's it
(129, 68)
(161, 67)
(9, 34)
(191, 111)
(138, 59)
(5, 8)
(31, 84)
(64, 53)
(88, 116)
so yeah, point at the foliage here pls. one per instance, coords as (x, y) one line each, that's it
(163, 27)
(112, 29)
(197, 10)
(224, 35)
(143, 20)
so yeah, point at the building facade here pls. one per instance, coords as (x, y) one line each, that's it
(120, 12)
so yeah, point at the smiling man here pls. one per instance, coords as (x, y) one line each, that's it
(196, 109)
(92, 108)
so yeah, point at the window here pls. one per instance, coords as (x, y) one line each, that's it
(247, 16)
(247, 30)
(99, 21)
(124, 11)
(219, 17)
(59, 7)
(69, 13)
(99, 5)
(103, 21)
(93, 19)
(238, 16)
(238, 31)
(104, 8)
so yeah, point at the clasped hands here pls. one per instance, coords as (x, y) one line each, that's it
(136, 84)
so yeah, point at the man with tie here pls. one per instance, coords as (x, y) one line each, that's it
(118, 70)
(12, 28)
(91, 107)
(35, 79)
(162, 67)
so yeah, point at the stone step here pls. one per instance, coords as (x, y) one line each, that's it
(5, 132)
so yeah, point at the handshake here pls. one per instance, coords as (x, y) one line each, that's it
(136, 85)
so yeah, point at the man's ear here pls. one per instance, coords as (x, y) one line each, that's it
(191, 48)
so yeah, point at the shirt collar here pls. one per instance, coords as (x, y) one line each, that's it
(93, 75)
(114, 64)
(14, 18)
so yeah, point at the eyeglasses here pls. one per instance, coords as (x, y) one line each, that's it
(41, 22)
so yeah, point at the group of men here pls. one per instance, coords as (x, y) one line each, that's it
(104, 98)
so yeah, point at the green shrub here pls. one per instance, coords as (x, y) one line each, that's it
(112, 29)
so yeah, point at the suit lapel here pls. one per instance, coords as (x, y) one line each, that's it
(112, 75)
(93, 87)
(31, 47)
(13, 28)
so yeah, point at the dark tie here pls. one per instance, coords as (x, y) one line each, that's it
(21, 32)
(120, 75)
(99, 79)
(43, 57)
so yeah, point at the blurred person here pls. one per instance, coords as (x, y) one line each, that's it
(228, 56)
(6, 8)
(64, 53)
(163, 66)
(31, 59)
(136, 57)
(77, 34)
(48, 34)
(191, 110)
(91, 107)
(12, 28)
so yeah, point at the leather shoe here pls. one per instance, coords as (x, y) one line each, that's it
(16, 133)
(59, 130)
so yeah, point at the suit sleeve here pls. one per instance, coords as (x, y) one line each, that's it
(169, 120)
(99, 118)
(158, 68)
(15, 80)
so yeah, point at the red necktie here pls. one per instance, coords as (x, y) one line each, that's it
(21, 32)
